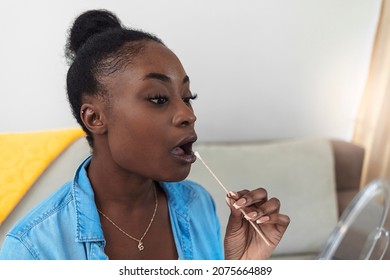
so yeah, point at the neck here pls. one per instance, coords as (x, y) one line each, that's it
(114, 186)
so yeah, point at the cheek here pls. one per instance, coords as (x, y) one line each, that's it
(142, 145)
(126, 140)
(128, 130)
(137, 145)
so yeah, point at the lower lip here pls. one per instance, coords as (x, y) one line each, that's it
(186, 158)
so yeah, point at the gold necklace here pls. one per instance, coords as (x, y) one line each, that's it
(140, 243)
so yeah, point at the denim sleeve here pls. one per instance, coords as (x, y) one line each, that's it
(14, 249)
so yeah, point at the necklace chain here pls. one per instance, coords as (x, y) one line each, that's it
(140, 243)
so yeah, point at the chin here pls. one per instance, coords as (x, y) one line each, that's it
(174, 178)
(177, 176)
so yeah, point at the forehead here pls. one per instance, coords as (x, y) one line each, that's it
(157, 58)
(155, 63)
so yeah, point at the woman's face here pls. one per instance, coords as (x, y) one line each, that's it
(150, 120)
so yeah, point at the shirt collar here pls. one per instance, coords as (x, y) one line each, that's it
(180, 196)
(87, 217)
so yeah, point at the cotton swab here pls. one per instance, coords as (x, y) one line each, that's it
(258, 230)
(212, 173)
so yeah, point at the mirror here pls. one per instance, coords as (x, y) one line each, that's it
(360, 232)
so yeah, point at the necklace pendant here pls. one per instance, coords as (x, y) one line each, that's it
(140, 246)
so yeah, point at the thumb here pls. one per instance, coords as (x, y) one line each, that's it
(234, 208)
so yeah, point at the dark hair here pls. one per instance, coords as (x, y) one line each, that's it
(98, 45)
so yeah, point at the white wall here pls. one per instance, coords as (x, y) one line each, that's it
(262, 69)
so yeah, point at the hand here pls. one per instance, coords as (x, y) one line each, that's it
(242, 242)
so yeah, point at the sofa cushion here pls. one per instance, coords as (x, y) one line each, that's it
(298, 172)
(59, 171)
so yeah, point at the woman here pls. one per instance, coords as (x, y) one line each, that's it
(129, 200)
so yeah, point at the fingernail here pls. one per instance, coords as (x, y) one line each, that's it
(250, 215)
(232, 194)
(239, 203)
(263, 219)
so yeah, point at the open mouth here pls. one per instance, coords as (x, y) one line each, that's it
(183, 150)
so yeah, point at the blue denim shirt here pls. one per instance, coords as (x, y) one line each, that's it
(67, 225)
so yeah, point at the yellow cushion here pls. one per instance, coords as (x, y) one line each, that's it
(24, 156)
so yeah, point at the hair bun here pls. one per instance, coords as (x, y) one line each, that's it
(87, 25)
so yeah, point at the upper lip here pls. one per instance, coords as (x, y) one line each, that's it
(187, 142)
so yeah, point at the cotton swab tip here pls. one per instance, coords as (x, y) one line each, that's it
(196, 153)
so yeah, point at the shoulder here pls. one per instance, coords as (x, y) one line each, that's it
(38, 227)
(43, 211)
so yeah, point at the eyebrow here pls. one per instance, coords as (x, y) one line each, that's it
(164, 78)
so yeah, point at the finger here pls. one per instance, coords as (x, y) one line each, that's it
(247, 198)
(235, 213)
(269, 207)
(237, 194)
(232, 197)
(265, 209)
(277, 218)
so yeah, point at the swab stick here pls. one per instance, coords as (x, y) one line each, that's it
(258, 230)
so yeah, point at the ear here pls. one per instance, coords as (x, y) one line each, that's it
(93, 118)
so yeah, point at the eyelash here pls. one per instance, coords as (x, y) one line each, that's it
(189, 99)
(161, 100)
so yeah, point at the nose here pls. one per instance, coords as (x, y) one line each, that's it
(184, 115)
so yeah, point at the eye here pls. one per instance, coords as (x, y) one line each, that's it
(188, 100)
(159, 100)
